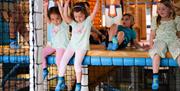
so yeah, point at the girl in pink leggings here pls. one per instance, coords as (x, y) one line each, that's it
(81, 23)
(57, 37)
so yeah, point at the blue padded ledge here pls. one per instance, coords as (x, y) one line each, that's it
(14, 59)
(129, 62)
(172, 62)
(148, 62)
(140, 61)
(96, 61)
(118, 61)
(106, 61)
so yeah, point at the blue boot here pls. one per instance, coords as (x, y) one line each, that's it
(61, 84)
(114, 45)
(78, 87)
(109, 47)
(45, 73)
(155, 84)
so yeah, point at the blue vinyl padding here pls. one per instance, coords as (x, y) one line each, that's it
(96, 61)
(117, 61)
(14, 59)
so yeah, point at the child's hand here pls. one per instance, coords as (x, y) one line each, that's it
(146, 47)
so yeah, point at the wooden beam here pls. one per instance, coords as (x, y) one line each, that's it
(99, 50)
(96, 50)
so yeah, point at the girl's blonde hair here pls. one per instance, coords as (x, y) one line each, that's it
(131, 19)
(168, 4)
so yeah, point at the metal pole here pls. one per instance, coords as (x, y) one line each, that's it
(36, 42)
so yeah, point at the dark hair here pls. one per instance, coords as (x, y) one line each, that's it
(168, 4)
(53, 10)
(131, 19)
(86, 3)
(79, 7)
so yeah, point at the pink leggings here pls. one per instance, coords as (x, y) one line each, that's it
(79, 56)
(48, 51)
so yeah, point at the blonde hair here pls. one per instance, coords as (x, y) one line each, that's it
(168, 4)
(131, 19)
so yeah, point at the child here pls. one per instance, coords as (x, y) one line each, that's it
(163, 37)
(96, 36)
(121, 35)
(58, 39)
(81, 24)
(18, 18)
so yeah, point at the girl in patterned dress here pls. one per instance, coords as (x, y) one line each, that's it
(163, 37)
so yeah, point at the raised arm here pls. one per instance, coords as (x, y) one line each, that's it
(45, 4)
(65, 12)
(93, 14)
(61, 9)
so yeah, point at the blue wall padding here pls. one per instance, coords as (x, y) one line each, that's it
(95, 61)
(106, 61)
(172, 62)
(14, 59)
(148, 62)
(164, 61)
(118, 61)
(87, 60)
(129, 62)
(140, 61)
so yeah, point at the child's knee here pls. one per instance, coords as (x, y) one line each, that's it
(120, 34)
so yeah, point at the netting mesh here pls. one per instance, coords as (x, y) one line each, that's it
(14, 39)
(130, 79)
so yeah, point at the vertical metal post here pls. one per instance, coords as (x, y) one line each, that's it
(36, 42)
(84, 80)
